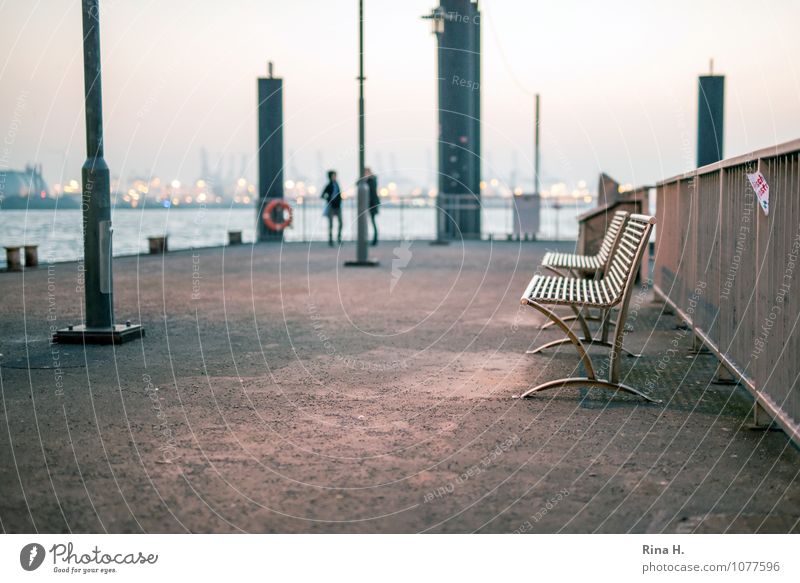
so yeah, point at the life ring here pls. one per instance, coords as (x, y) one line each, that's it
(267, 214)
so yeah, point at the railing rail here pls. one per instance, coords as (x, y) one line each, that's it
(733, 273)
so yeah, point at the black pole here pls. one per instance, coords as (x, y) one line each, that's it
(270, 151)
(362, 193)
(96, 202)
(437, 21)
(536, 177)
(710, 117)
(361, 146)
(98, 289)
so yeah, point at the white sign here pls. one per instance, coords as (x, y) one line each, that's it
(761, 187)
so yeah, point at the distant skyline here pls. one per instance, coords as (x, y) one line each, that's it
(618, 82)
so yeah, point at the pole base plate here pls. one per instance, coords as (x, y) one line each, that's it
(82, 335)
(367, 263)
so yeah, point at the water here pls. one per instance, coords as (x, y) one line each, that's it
(58, 232)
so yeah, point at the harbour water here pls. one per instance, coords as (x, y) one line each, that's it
(58, 232)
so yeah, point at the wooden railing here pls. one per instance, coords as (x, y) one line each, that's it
(733, 273)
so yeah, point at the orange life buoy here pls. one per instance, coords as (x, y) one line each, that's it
(267, 214)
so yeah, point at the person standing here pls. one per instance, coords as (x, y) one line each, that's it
(373, 202)
(333, 195)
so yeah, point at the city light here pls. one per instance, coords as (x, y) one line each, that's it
(200, 191)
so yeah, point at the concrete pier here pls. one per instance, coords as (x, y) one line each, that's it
(279, 392)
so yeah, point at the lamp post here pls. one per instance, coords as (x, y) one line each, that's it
(99, 327)
(437, 18)
(362, 191)
(536, 123)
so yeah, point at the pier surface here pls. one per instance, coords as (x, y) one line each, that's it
(277, 391)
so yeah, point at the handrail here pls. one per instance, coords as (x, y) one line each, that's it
(731, 272)
(770, 152)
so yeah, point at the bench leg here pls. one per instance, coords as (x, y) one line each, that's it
(589, 317)
(571, 337)
(550, 344)
(586, 342)
(578, 315)
(586, 382)
(559, 273)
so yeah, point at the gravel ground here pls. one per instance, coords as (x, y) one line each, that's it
(277, 391)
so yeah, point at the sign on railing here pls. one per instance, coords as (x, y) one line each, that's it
(761, 189)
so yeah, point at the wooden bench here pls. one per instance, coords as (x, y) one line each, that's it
(613, 290)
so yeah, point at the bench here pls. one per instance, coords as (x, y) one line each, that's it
(613, 290)
(578, 265)
(588, 264)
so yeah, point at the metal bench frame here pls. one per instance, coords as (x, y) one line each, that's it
(610, 241)
(577, 264)
(556, 262)
(612, 291)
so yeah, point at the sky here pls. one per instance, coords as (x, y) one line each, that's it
(618, 83)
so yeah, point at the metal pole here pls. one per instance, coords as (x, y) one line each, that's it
(361, 162)
(98, 293)
(441, 198)
(402, 225)
(361, 244)
(536, 176)
(557, 208)
(362, 192)
(99, 326)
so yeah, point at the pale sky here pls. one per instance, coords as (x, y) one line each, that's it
(617, 79)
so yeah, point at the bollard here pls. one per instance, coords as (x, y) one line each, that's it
(157, 244)
(31, 255)
(13, 262)
(234, 237)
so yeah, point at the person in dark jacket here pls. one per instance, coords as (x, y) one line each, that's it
(373, 202)
(332, 193)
